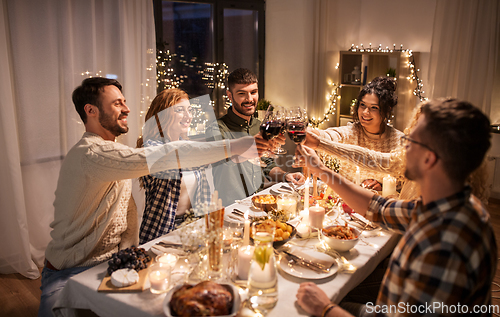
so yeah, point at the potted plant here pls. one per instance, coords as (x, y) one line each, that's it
(261, 108)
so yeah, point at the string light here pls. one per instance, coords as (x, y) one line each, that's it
(418, 91)
(332, 98)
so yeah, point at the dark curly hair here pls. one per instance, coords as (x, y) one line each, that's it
(385, 89)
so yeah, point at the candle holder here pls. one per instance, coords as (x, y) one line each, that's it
(287, 205)
(159, 277)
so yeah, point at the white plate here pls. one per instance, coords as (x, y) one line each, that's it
(159, 250)
(236, 219)
(231, 288)
(305, 273)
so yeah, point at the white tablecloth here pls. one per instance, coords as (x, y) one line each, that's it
(81, 290)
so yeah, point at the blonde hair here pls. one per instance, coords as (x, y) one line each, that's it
(164, 100)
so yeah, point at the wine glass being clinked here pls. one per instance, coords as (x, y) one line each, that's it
(296, 124)
(273, 125)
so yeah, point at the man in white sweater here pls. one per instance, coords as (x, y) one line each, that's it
(94, 212)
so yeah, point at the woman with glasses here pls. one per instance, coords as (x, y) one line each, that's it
(171, 193)
(370, 131)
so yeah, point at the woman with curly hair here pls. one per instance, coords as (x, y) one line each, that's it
(370, 130)
(393, 162)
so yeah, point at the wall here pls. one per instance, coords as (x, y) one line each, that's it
(304, 37)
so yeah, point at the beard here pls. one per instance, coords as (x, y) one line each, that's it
(111, 125)
(243, 110)
(412, 175)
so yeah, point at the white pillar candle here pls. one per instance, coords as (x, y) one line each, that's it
(357, 178)
(316, 216)
(306, 195)
(388, 186)
(246, 231)
(245, 254)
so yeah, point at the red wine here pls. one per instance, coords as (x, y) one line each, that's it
(297, 136)
(296, 131)
(270, 129)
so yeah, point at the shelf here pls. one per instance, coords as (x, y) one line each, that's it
(374, 64)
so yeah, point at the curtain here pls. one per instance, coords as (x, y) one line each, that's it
(47, 47)
(464, 50)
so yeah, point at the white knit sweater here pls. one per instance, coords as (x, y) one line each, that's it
(94, 214)
(371, 164)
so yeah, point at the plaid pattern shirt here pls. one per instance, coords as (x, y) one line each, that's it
(162, 197)
(447, 255)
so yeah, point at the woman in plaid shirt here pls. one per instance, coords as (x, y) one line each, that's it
(446, 260)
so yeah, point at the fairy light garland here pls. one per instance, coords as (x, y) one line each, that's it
(418, 91)
(334, 95)
(332, 98)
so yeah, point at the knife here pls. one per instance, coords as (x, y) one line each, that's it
(169, 244)
(309, 264)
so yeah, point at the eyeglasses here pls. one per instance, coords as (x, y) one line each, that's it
(405, 139)
(189, 110)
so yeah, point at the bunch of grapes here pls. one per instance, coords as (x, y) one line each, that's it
(129, 258)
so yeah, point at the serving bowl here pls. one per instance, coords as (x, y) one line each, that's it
(259, 202)
(277, 244)
(337, 244)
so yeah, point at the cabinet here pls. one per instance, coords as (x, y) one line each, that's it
(371, 65)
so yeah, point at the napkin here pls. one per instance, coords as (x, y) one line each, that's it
(313, 256)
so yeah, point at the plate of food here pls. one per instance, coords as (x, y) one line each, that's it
(265, 202)
(127, 271)
(284, 231)
(206, 298)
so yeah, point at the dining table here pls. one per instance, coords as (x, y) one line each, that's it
(352, 267)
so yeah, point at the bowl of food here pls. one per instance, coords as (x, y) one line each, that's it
(265, 202)
(340, 238)
(283, 231)
(206, 298)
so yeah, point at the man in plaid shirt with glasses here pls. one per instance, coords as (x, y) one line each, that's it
(445, 262)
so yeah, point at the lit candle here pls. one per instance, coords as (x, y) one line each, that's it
(357, 178)
(388, 186)
(159, 276)
(316, 216)
(169, 259)
(288, 205)
(246, 230)
(306, 194)
(245, 254)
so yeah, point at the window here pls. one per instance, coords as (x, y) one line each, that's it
(200, 42)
